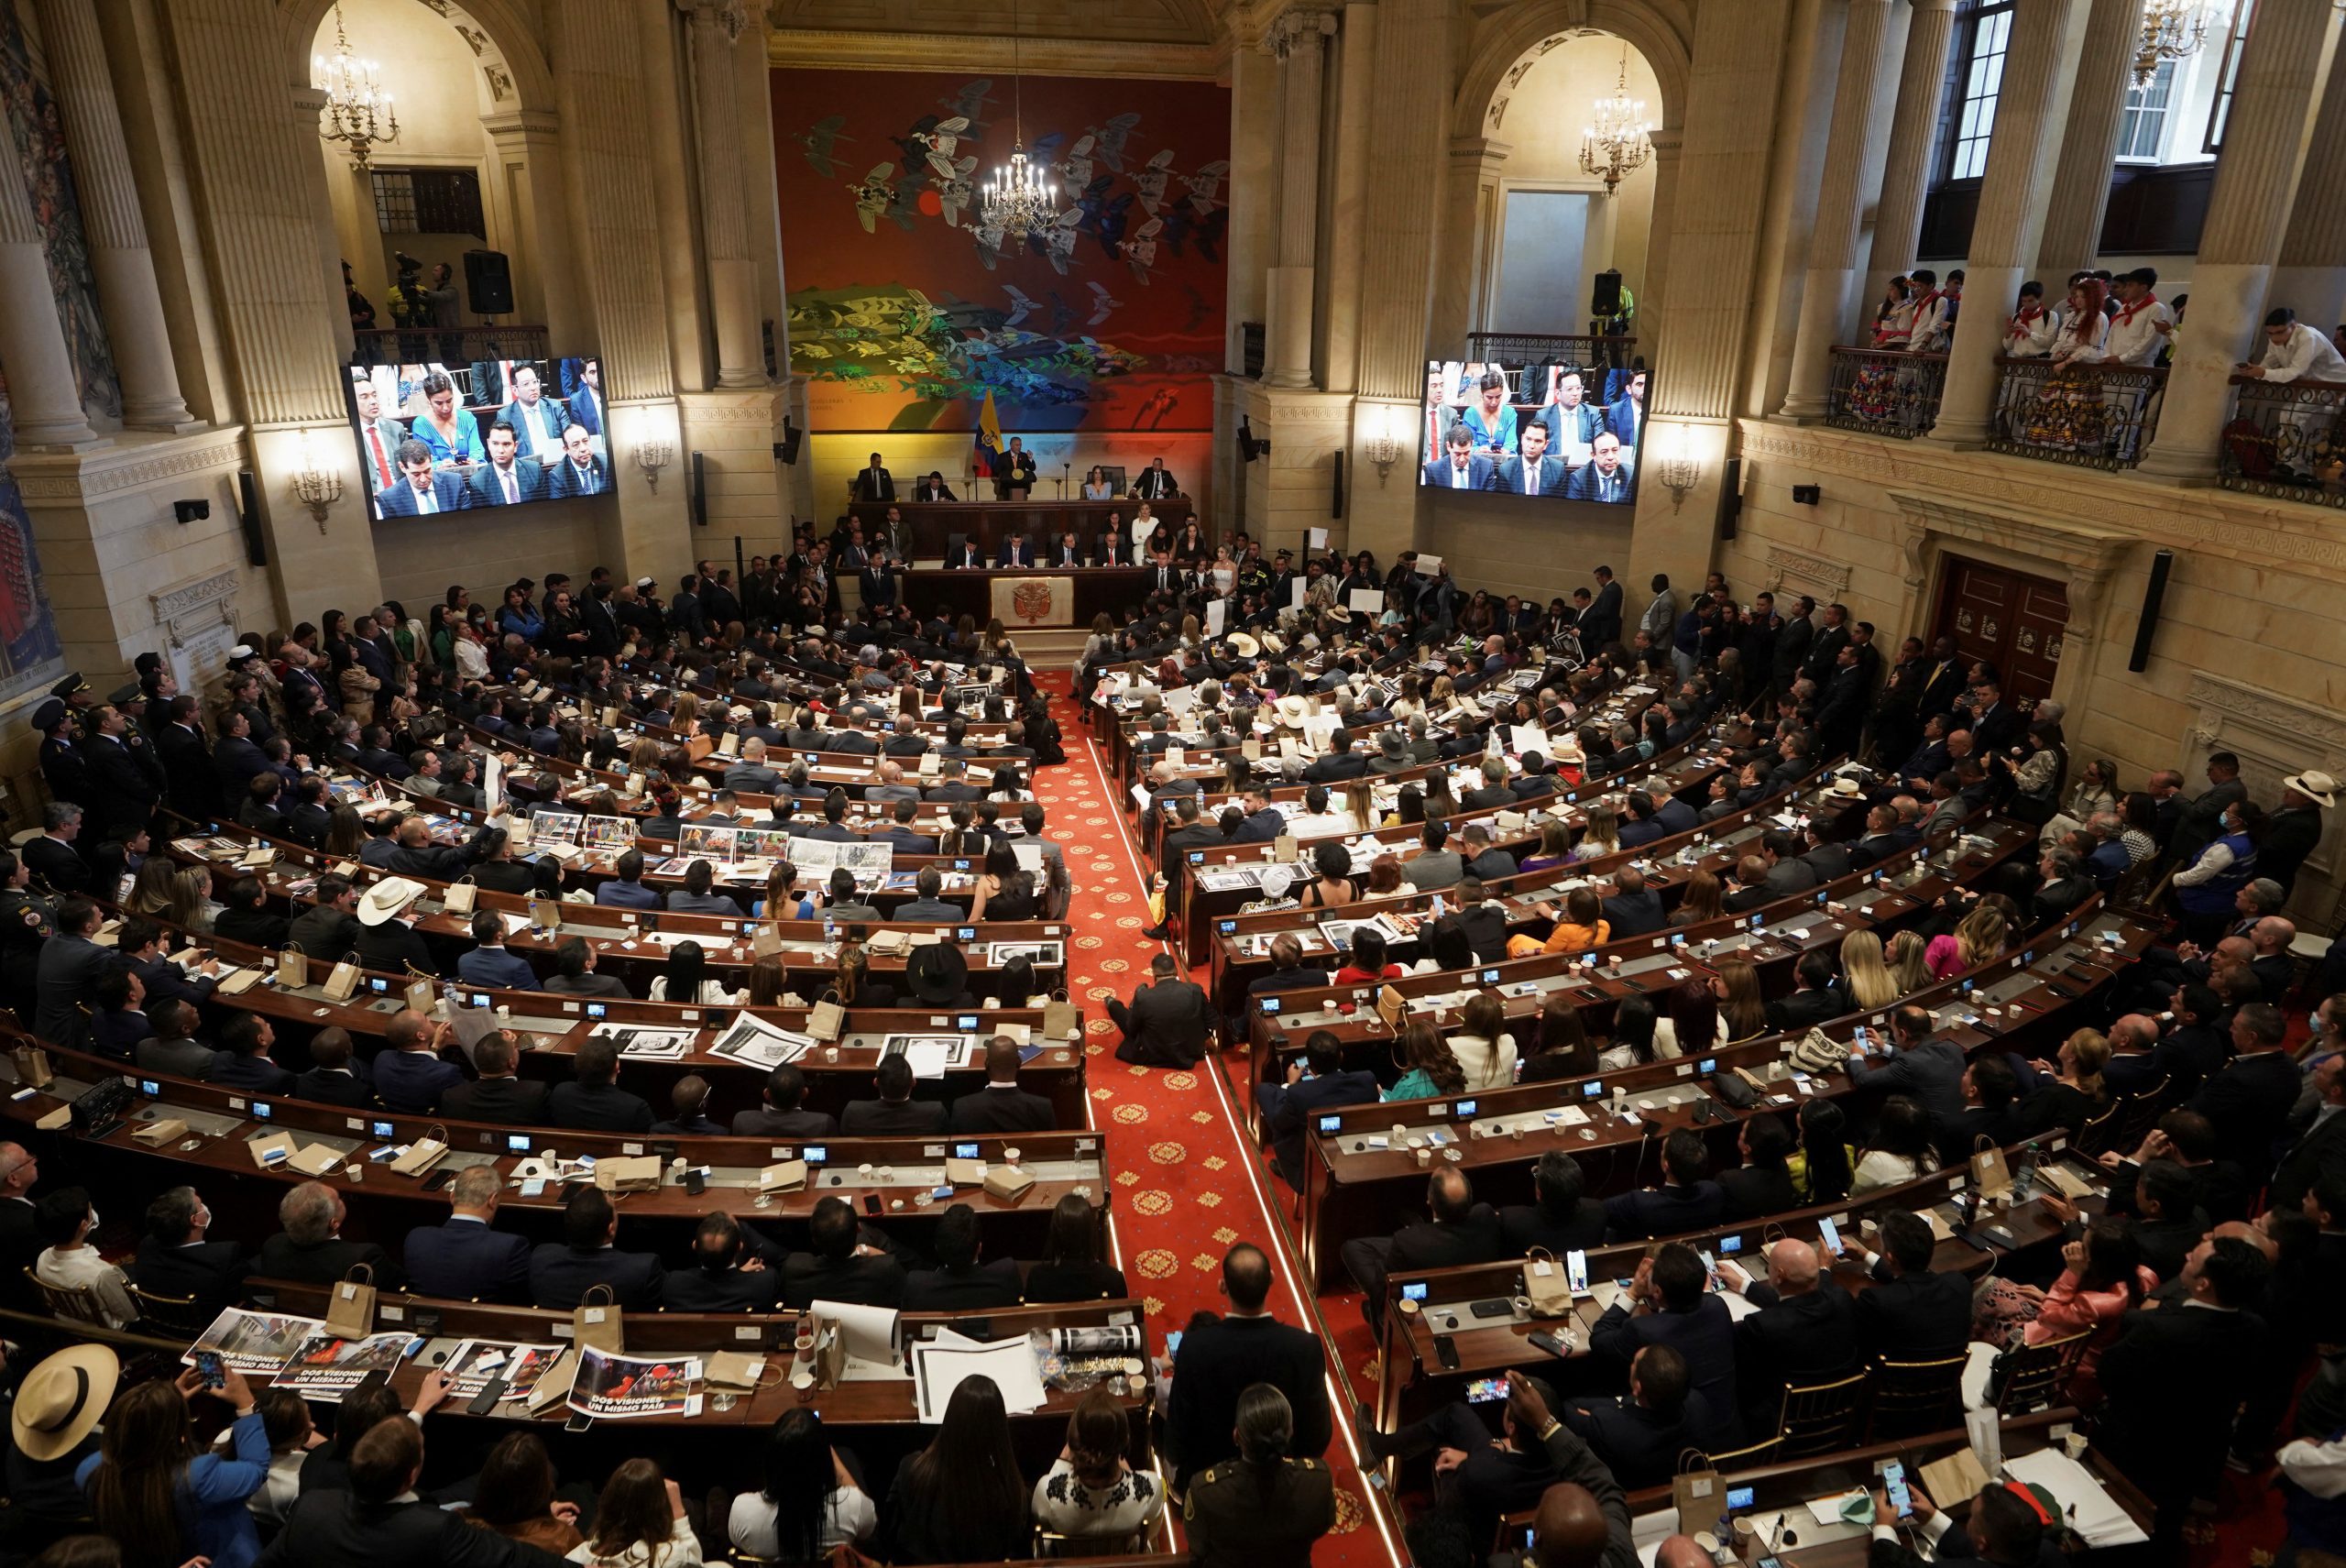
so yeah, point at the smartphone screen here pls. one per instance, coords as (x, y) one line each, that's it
(1830, 1234)
(1173, 1344)
(1485, 1390)
(1576, 1272)
(1893, 1481)
(209, 1366)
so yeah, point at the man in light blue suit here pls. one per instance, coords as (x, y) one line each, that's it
(537, 420)
(1533, 473)
(504, 480)
(1625, 415)
(1606, 477)
(580, 472)
(422, 491)
(1463, 468)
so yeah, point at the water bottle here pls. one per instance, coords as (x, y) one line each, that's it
(830, 934)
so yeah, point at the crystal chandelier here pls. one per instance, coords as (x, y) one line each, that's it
(2172, 30)
(1019, 197)
(358, 112)
(1616, 142)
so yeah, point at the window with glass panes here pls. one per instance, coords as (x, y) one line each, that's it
(1987, 29)
(2228, 74)
(2141, 128)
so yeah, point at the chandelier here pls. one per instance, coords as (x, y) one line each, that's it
(2172, 30)
(1019, 198)
(1616, 142)
(358, 112)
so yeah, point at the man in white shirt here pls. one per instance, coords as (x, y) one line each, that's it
(1934, 315)
(2294, 352)
(2030, 330)
(2140, 328)
(64, 1219)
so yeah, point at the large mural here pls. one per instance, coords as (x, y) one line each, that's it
(36, 138)
(906, 307)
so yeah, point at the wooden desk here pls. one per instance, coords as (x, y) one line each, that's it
(987, 523)
(1098, 590)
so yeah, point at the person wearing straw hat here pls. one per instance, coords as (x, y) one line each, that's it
(386, 942)
(2294, 826)
(52, 1426)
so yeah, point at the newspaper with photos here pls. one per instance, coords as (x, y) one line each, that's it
(627, 1388)
(253, 1342)
(754, 1042)
(476, 1362)
(325, 1366)
(615, 833)
(1041, 955)
(640, 1043)
(869, 864)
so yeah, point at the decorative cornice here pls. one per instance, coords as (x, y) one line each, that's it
(1787, 565)
(189, 598)
(2218, 698)
(1041, 57)
(42, 476)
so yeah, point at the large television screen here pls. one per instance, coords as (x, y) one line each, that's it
(1545, 431)
(436, 437)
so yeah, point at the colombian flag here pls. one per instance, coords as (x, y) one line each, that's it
(989, 436)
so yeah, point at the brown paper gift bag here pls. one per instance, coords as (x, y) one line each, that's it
(293, 968)
(1697, 1493)
(424, 1153)
(1546, 1284)
(1989, 1172)
(460, 897)
(32, 1067)
(599, 1325)
(342, 984)
(765, 939)
(421, 997)
(825, 1019)
(350, 1309)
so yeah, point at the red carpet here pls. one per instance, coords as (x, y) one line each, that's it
(1189, 1185)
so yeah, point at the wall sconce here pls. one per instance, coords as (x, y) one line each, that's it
(313, 487)
(1680, 471)
(1382, 448)
(651, 456)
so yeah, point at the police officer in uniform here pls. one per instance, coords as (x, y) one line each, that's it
(25, 924)
(1263, 1508)
(64, 764)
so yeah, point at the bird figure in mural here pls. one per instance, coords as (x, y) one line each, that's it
(1024, 307)
(876, 196)
(1196, 308)
(969, 103)
(1153, 412)
(1140, 251)
(1102, 305)
(1205, 186)
(954, 191)
(1104, 215)
(1057, 238)
(988, 235)
(1063, 314)
(940, 141)
(1075, 168)
(818, 139)
(1181, 228)
(1152, 180)
(1109, 139)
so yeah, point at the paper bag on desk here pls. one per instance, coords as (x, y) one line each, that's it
(1993, 1178)
(2065, 1181)
(965, 1172)
(552, 1388)
(1008, 1181)
(637, 1173)
(342, 984)
(271, 1151)
(460, 897)
(545, 913)
(32, 1067)
(785, 1176)
(1958, 1474)
(155, 1134)
(350, 1308)
(1696, 1493)
(235, 983)
(314, 1159)
(824, 1020)
(734, 1369)
(599, 1325)
(423, 1154)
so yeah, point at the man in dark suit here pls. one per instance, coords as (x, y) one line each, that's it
(1494, 1478)
(1930, 1071)
(52, 856)
(1814, 998)
(964, 556)
(959, 1282)
(125, 778)
(1562, 1218)
(1762, 1184)
(503, 480)
(779, 1115)
(1533, 472)
(419, 491)
(932, 489)
(841, 1266)
(895, 1114)
(874, 483)
(561, 1273)
(310, 1249)
(1600, 624)
(1155, 482)
(1001, 1106)
(336, 1076)
(175, 1260)
(535, 419)
(1686, 1201)
(1459, 1232)
(1167, 1022)
(1803, 1332)
(1607, 476)
(1461, 467)
(1912, 1313)
(1015, 553)
(2172, 1382)
(1635, 909)
(2320, 1151)
(1014, 471)
(2249, 1101)
(1669, 1302)
(726, 1276)
(593, 1102)
(1222, 1356)
(467, 1258)
(1290, 1106)
(368, 1527)
(581, 471)
(1640, 1435)
(68, 972)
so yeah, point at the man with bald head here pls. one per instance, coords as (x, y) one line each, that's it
(1583, 1520)
(1804, 1332)
(1458, 1231)
(1246, 1345)
(2133, 1056)
(2269, 959)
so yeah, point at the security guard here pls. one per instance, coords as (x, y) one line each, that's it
(25, 924)
(1262, 1509)
(64, 766)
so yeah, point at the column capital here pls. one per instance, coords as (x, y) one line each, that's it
(1485, 155)
(522, 123)
(1942, 6)
(726, 14)
(1307, 24)
(313, 99)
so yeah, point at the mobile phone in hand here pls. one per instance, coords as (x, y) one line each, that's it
(210, 1369)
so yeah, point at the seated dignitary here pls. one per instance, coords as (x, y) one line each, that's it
(960, 1281)
(563, 1272)
(310, 1249)
(466, 1257)
(1641, 1433)
(1316, 1081)
(498, 1096)
(726, 1275)
(778, 1114)
(895, 1114)
(177, 1259)
(1001, 1106)
(839, 1265)
(1457, 1231)
(1669, 1302)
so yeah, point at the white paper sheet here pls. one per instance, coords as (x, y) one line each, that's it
(2092, 1510)
(871, 1331)
(938, 1369)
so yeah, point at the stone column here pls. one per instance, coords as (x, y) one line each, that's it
(611, 192)
(1913, 132)
(356, 208)
(1470, 224)
(1647, 324)
(2038, 69)
(546, 286)
(2311, 278)
(45, 402)
(716, 28)
(2097, 107)
(2265, 135)
(1833, 241)
(1299, 41)
(110, 218)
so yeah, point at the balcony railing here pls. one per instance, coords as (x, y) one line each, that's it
(2285, 441)
(450, 346)
(1885, 393)
(1542, 348)
(2097, 416)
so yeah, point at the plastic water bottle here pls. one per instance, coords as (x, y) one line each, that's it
(830, 934)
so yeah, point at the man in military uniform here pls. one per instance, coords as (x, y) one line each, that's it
(74, 693)
(64, 765)
(1262, 1506)
(25, 921)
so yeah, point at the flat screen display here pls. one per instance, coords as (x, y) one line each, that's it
(1539, 431)
(435, 437)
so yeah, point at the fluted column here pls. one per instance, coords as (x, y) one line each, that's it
(2311, 278)
(44, 399)
(2089, 147)
(1469, 227)
(2022, 147)
(611, 192)
(1648, 291)
(1840, 198)
(119, 258)
(1913, 132)
(2247, 212)
(717, 26)
(1301, 42)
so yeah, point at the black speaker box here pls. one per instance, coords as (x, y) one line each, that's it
(488, 284)
(1605, 299)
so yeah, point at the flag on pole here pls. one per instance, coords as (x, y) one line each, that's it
(989, 437)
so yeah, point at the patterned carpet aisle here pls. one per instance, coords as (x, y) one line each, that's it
(1186, 1188)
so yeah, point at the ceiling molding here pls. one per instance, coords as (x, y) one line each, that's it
(1039, 57)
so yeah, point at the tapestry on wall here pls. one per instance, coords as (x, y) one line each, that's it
(906, 307)
(36, 137)
(30, 653)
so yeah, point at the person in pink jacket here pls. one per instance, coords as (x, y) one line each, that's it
(2105, 1276)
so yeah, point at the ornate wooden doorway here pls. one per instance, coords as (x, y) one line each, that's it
(2012, 620)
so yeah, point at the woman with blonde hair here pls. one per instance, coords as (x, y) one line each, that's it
(1978, 939)
(192, 908)
(2073, 1090)
(1907, 961)
(1702, 899)
(1486, 1051)
(1602, 835)
(1871, 985)
(156, 879)
(1741, 1009)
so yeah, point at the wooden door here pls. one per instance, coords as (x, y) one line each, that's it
(2011, 619)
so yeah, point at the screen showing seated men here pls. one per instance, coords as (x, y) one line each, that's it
(1546, 431)
(492, 433)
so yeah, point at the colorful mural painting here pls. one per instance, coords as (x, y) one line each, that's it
(906, 308)
(30, 652)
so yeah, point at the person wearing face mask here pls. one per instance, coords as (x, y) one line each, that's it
(176, 1260)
